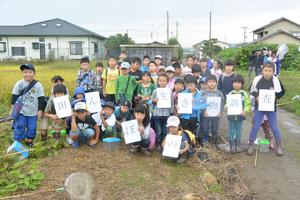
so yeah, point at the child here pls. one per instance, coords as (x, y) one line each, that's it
(78, 96)
(145, 66)
(153, 71)
(123, 57)
(216, 70)
(225, 80)
(196, 71)
(146, 88)
(158, 60)
(178, 72)
(125, 84)
(174, 60)
(122, 114)
(86, 77)
(235, 121)
(188, 68)
(50, 112)
(82, 126)
(270, 82)
(191, 121)
(141, 114)
(160, 115)
(204, 67)
(135, 69)
(212, 122)
(109, 76)
(30, 94)
(98, 80)
(161, 70)
(106, 120)
(170, 71)
(186, 148)
(196, 60)
(179, 86)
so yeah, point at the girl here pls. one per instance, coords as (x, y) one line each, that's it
(141, 114)
(179, 86)
(225, 80)
(146, 88)
(153, 71)
(216, 70)
(170, 71)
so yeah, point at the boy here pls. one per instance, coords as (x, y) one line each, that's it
(106, 120)
(30, 94)
(196, 71)
(173, 123)
(225, 80)
(98, 79)
(79, 96)
(123, 57)
(82, 126)
(125, 84)
(145, 66)
(109, 76)
(188, 68)
(134, 69)
(50, 112)
(178, 72)
(204, 67)
(122, 113)
(86, 77)
(212, 122)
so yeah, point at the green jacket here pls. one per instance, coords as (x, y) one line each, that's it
(245, 103)
(121, 84)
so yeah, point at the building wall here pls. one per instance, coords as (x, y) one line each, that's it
(281, 38)
(60, 47)
(283, 25)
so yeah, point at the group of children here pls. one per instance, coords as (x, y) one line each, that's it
(130, 91)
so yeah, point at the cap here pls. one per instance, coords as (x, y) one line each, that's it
(27, 66)
(78, 90)
(173, 121)
(161, 67)
(125, 65)
(170, 68)
(158, 56)
(109, 105)
(80, 106)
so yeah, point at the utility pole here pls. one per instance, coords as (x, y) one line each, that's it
(177, 30)
(151, 33)
(167, 26)
(245, 35)
(209, 37)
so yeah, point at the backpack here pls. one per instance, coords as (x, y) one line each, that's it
(191, 137)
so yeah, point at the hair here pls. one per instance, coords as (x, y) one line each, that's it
(99, 64)
(211, 77)
(111, 57)
(189, 57)
(204, 60)
(123, 52)
(143, 108)
(85, 60)
(179, 80)
(163, 75)
(59, 89)
(196, 58)
(145, 57)
(174, 59)
(238, 78)
(136, 60)
(148, 74)
(191, 79)
(196, 68)
(176, 65)
(56, 78)
(152, 63)
(269, 65)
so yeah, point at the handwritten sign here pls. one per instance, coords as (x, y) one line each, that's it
(164, 98)
(266, 100)
(131, 132)
(214, 106)
(234, 104)
(62, 106)
(172, 146)
(185, 104)
(93, 102)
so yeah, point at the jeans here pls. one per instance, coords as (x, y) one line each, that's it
(160, 128)
(234, 130)
(84, 135)
(211, 123)
(258, 117)
(25, 127)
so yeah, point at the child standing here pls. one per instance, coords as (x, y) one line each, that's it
(170, 71)
(145, 66)
(146, 88)
(196, 71)
(86, 77)
(179, 86)
(217, 69)
(98, 80)
(188, 68)
(153, 71)
(30, 94)
(225, 80)
(178, 71)
(109, 76)
(270, 82)
(235, 121)
(158, 61)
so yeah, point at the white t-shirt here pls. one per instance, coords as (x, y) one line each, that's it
(111, 120)
(186, 70)
(146, 132)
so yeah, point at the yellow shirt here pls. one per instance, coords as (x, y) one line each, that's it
(110, 77)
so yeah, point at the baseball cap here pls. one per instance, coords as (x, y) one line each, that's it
(158, 56)
(80, 106)
(170, 68)
(125, 65)
(173, 121)
(161, 67)
(27, 66)
(109, 105)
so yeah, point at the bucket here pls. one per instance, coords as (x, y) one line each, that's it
(111, 143)
(263, 145)
(79, 186)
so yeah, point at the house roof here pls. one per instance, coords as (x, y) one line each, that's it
(277, 32)
(274, 22)
(52, 27)
(199, 43)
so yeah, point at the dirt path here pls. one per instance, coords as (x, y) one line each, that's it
(275, 178)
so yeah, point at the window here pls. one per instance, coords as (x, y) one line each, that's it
(35, 45)
(95, 47)
(2, 47)
(18, 51)
(296, 34)
(49, 46)
(75, 48)
(42, 39)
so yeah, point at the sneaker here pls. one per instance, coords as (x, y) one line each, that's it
(75, 144)
(232, 150)
(238, 149)
(182, 160)
(279, 151)
(251, 149)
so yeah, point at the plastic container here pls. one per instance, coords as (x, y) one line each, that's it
(263, 145)
(111, 143)
(79, 186)
(18, 147)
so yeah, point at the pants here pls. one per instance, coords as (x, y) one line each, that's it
(144, 144)
(211, 123)
(258, 117)
(190, 124)
(160, 128)
(110, 98)
(84, 135)
(25, 127)
(234, 130)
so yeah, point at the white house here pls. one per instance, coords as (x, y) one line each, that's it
(50, 39)
(199, 46)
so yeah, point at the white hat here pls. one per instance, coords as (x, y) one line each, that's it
(161, 67)
(173, 121)
(158, 56)
(170, 68)
(80, 106)
(125, 65)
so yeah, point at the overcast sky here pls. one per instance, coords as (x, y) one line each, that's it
(141, 17)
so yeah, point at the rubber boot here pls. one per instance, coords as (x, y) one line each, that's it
(279, 151)
(251, 149)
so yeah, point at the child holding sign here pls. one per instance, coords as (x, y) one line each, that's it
(235, 121)
(266, 81)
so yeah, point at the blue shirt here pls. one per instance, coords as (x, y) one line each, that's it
(119, 115)
(144, 68)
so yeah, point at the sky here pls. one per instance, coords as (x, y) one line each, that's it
(146, 21)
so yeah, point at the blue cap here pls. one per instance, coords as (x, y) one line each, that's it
(79, 90)
(125, 65)
(27, 66)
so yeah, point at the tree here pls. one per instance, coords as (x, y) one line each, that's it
(213, 51)
(113, 42)
(174, 41)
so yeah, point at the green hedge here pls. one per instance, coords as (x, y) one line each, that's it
(240, 55)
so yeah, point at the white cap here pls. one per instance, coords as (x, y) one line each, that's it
(125, 65)
(173, 121)
(80, 106)
(170, 68)
(158, 56)
(161, 67)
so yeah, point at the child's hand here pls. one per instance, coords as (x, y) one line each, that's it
(54, 117)
(257, 98)
(155, 100)
(243, 114)
(73, 115)
(205, 114)
(93, 142)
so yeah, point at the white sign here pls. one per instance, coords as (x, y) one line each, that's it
(234, 104)
(93, 102)
(172, 146)
(131, 132)
(164, 98)
(185, 103)
(214, 106)
(62, 106)
(266, 100)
